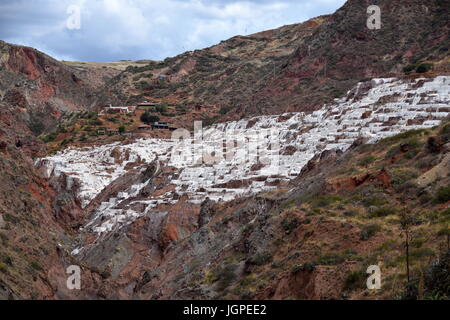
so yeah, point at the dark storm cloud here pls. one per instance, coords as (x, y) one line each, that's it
(151, 29)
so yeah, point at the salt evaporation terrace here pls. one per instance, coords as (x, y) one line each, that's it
(374, 110)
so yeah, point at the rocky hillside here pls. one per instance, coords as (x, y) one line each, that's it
(342, 51)
(298, 67)
(41, 89)
(335, 143)
(153, 203)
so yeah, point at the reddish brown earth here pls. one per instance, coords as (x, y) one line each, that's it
(310, 239)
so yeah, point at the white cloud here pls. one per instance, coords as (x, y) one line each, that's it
(143, 29)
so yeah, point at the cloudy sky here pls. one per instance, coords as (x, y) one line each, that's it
(111, 30)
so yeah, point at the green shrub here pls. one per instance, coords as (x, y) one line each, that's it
(3, 238)
(36, 266)
(367, 161)
(445, 213)
(443, 195)
(49, 137)
(373, 201)
(10, 218)
(411, 154)
(331, 259)
(307, 266)
(369, 231)
(7, 260)
(148, 118)
(424, 67)
(401, 176)
(289, 224)
(143, 85)
(355, 280)
(351, 213)
(296, 268)
(382, 212)
(95, 122)
(409, 68)
(277, 264)
(225, 276)
(445, 132)
(225, 110)
(161, 108)
(261, 258)
(325, 201)
(420, 253)
(437, 278)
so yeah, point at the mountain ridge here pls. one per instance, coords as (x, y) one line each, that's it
(140, 227)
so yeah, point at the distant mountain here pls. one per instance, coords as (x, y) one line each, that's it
(298, 67)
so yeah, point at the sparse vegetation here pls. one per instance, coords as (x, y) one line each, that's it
(443, 194)
(148, 118)
(369, 231)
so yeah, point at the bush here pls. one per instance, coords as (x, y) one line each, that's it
(95, 122)
(424, 67)
(445, 132)
(7, 260)
(383, 212)
(261, 258)
(147, 118)
(351, 213)
(36, 266)
(366, 161)
(143, 85)
(409, 68)
(290, 224)
(369, 231)
(307, 266)
(443, 195)
(373, 201)
(325, 201)
(225, 276)
(161, 108)
(437, 278)
(331, 259)
(420, 253)
(225, 110)
(401, 176)
(355, 280)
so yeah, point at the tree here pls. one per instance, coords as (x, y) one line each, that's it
(122, 129)
(424, 67)
(161, 108)
(406, 223)
(147, 118)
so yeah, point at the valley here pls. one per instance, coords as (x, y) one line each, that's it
(278, 165)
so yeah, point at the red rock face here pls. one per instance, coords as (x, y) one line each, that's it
(23, 60)
(343, 50)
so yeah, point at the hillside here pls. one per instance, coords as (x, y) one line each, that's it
(297, 67)
(228, 216)
(323, 144)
